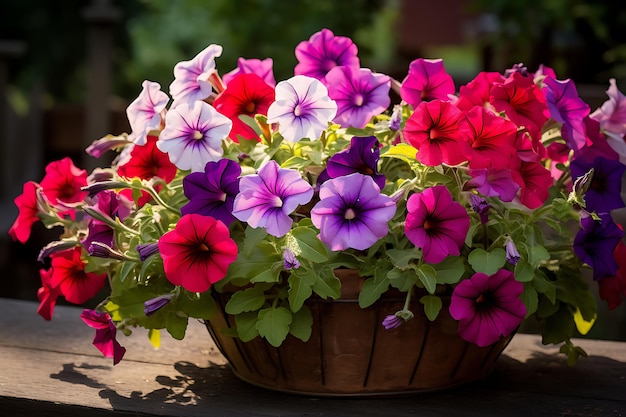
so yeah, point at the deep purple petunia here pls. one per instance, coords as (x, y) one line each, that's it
(488, 307)
(352, 213)
(323, 52)
(270, 196)
(360, 94)
(480, 206)
(603, 194)
(362, 156)
(213, 192)
(595, 242)
(104, 339)
(436, 223)
(110, 204)
(568, 108)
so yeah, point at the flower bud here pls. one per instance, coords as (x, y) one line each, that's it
(146, 250)
(153, 305)
(512, 255)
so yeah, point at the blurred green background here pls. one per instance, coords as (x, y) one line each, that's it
(69, 68)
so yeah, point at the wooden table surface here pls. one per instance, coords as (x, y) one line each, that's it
(51, 369)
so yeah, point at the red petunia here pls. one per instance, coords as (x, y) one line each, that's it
(246, 94)
(62, 183)
(68, 274)
(522, 101)
(477, 91)
(491, 138)
(535, 181)
(27, 205)
(434, 130)
(47, 295)
(613, 289)
(197, 252)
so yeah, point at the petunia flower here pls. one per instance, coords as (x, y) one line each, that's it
(105, 339)
(246, 94)
(153, 305)
(266, 199)
(62, 183)
(361, 156)
(212, 192)
(47, 295)
(27, 212)
(433, 129)
(264, 68)
(512, 254)
(323, 52)
(392, 321)
(534, 181)
(69, 275)
(191, 78)
(436, 223)
(197, 252)
(426, 80)
(360, 94)
(290, 261)
(568, 108)
(494, 183)
(145, 112)
(112, 205)
(603, 193)
(595, 242)
(352, 213)
(612, 289)
(480, 206)
(488, 307)
(302, 108)
(193, 135)
(612, 113)
(146, 250)
(478, 91)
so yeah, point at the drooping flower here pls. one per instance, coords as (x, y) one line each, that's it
(62, 183)
(434, 130)
(427, 79)
(197, 252)
(491, 138)
(512, 254)
(47, 295)
(290, 261)
(494, 183)
(603, 193)
(436, 223)
(212, 192)
(568, 108)
(155, 304)
(360, 94)
(99, 147)
(105, 339)
(191, 78)
(146, 111)
(27, 216)
(595, 242)
(323, 52)
(362, 156)
(193, 135)
(352, 213)
(395, 121)
(246, 94)
(266, 199)
(392, 321)
(264, 68)
(146, 250)
(480, 206)
(522, 101)
(69, 275)
(487, 307)
(302, 108)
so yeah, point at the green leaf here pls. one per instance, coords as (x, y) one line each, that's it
(544, 286)
(450, 270)
(249, 299)
(273, 324)
(246, 325)
(487, 262)
(302, 324)
(176, 326)
(372, 289)
(300, 288)
(524, 272)
(402, 280)
(537, 254)
(402, 257)
(199, 306)
(327, 285)
(254, 236)
(559, 326)
(295, 162)
(432, 306)
(309, 244)
(127, 269)
(263, 264)
(428, 277)
(401, 151)
(530, 299)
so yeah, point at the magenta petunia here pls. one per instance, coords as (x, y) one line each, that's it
(266, 199)
(436, 223)
(427, 80)
(105, 339)
(191, 78)
(323, 52)
(264, 68)
(359, 93)
(197, 252)
(488, 307)
(146, 112)
(352, 213)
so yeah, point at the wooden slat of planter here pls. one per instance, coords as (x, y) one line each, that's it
(52, 369)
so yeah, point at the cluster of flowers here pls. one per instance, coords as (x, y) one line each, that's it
(492, 197)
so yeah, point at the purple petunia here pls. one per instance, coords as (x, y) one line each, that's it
(603, 194)
(595, 242)
(212, 192)
(360, 94)
(436, 223)
(352, 213)
(268, 198)
(323, 52)
(568, 108)
(362, 156)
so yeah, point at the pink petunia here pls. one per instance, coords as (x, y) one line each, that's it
(323, 52)
(47, 295)
(436, 223)
(105, 339)
(488, 307)
(69, 275)
(192, 78)
(27, 212)
(62, 183)
(612, 119)
(427, 80)
(264, 68)
(477, 91)
(146, 112)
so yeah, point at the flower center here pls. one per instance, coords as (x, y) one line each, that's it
(297, 111)
(278, 202)
(358, 100)
(249, 107)
(222, 197)
(481, 298)
(197, 135)
(428, 224)
(203, 247)
(349, 214)
(66, 191)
